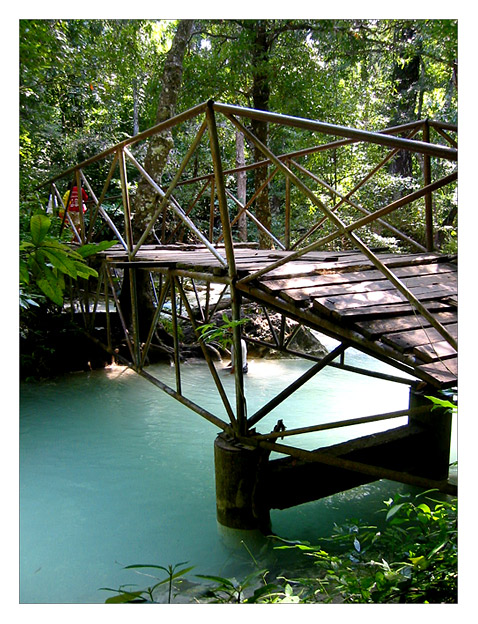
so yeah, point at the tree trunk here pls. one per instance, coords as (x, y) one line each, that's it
(241, 185)
(135, 108)
(146, 199)
(160, 145)
(260, 96)
(405, 78)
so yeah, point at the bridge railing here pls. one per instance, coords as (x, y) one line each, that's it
(172, 216)
(288, 165)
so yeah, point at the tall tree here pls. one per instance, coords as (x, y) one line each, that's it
(405, 77)
(261, 48)
(146, 199)
(160, 145)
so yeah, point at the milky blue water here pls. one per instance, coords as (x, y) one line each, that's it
(115, 472)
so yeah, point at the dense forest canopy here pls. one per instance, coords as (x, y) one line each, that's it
(86, 84)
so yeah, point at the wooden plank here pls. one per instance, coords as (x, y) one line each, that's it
(370, 312)
(416, 337)
(424, 283)
(445, 373)
(372, 329)
(357, 276)
(302, 267)
(437, 351)
(381, 297)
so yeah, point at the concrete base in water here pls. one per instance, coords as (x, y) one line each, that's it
(238, 472)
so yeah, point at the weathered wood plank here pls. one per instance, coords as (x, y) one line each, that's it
(374, 328)
(424, 283)
(346, 289)
(302, 267)
(372, 274)
(371, 312)
(380, 297)
(437, 351)
(445, 372)
(416, 337)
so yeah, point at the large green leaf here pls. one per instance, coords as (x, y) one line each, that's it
(84, 270)
(60, 261)
(39, 226)
(51, 290)
(126, 597)
(91, 248)
(24, 274)
(51, 285)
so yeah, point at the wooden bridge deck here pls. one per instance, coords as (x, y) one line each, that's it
(342, 294)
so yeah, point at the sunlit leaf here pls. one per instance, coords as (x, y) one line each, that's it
(39, 226)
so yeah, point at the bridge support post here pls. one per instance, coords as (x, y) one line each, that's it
(434, 458)
(239, 469)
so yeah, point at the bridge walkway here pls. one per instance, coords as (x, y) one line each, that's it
(342, 295)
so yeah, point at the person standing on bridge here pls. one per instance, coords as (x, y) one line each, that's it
(70, 201)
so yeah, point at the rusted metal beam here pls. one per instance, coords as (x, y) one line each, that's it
(185, 401)
(246, 206)
(362, 420)
(207, 357)
(346, 199)
(363, 181)
(427, 178)
(325, 128)
(178, 210)
(414, 125)
(165, 196)
(126, 203)
(99, 207)
(190, 209)
(346, 231)
(298, 383)
(177, 355)
(120, 314)
(157, 313)
(164, 125)
(256, 221)
(338, 332)
(229, 246)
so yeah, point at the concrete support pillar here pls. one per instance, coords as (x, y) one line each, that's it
(238, 472)
(435, 452)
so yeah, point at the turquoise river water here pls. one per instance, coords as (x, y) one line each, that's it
(114, 472)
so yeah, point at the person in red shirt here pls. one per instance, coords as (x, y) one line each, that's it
(72, 205)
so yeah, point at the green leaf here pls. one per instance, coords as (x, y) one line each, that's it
(425, 508)
(39, 226)
(181, 572)
(26, 245)
(441, 403)
(393, 510)
(144, 565)
(60, 261)
(218, 579)
(91, 248)
(51, 290)
(84, 270)
(125, 598)
(266, 590)
(24, 274)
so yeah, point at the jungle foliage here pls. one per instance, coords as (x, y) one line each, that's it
(88, 84)
(412, 558)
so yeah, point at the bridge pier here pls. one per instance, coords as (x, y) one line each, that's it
(434, 460)
(239, 469)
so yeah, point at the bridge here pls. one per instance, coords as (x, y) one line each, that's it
(398, 306)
